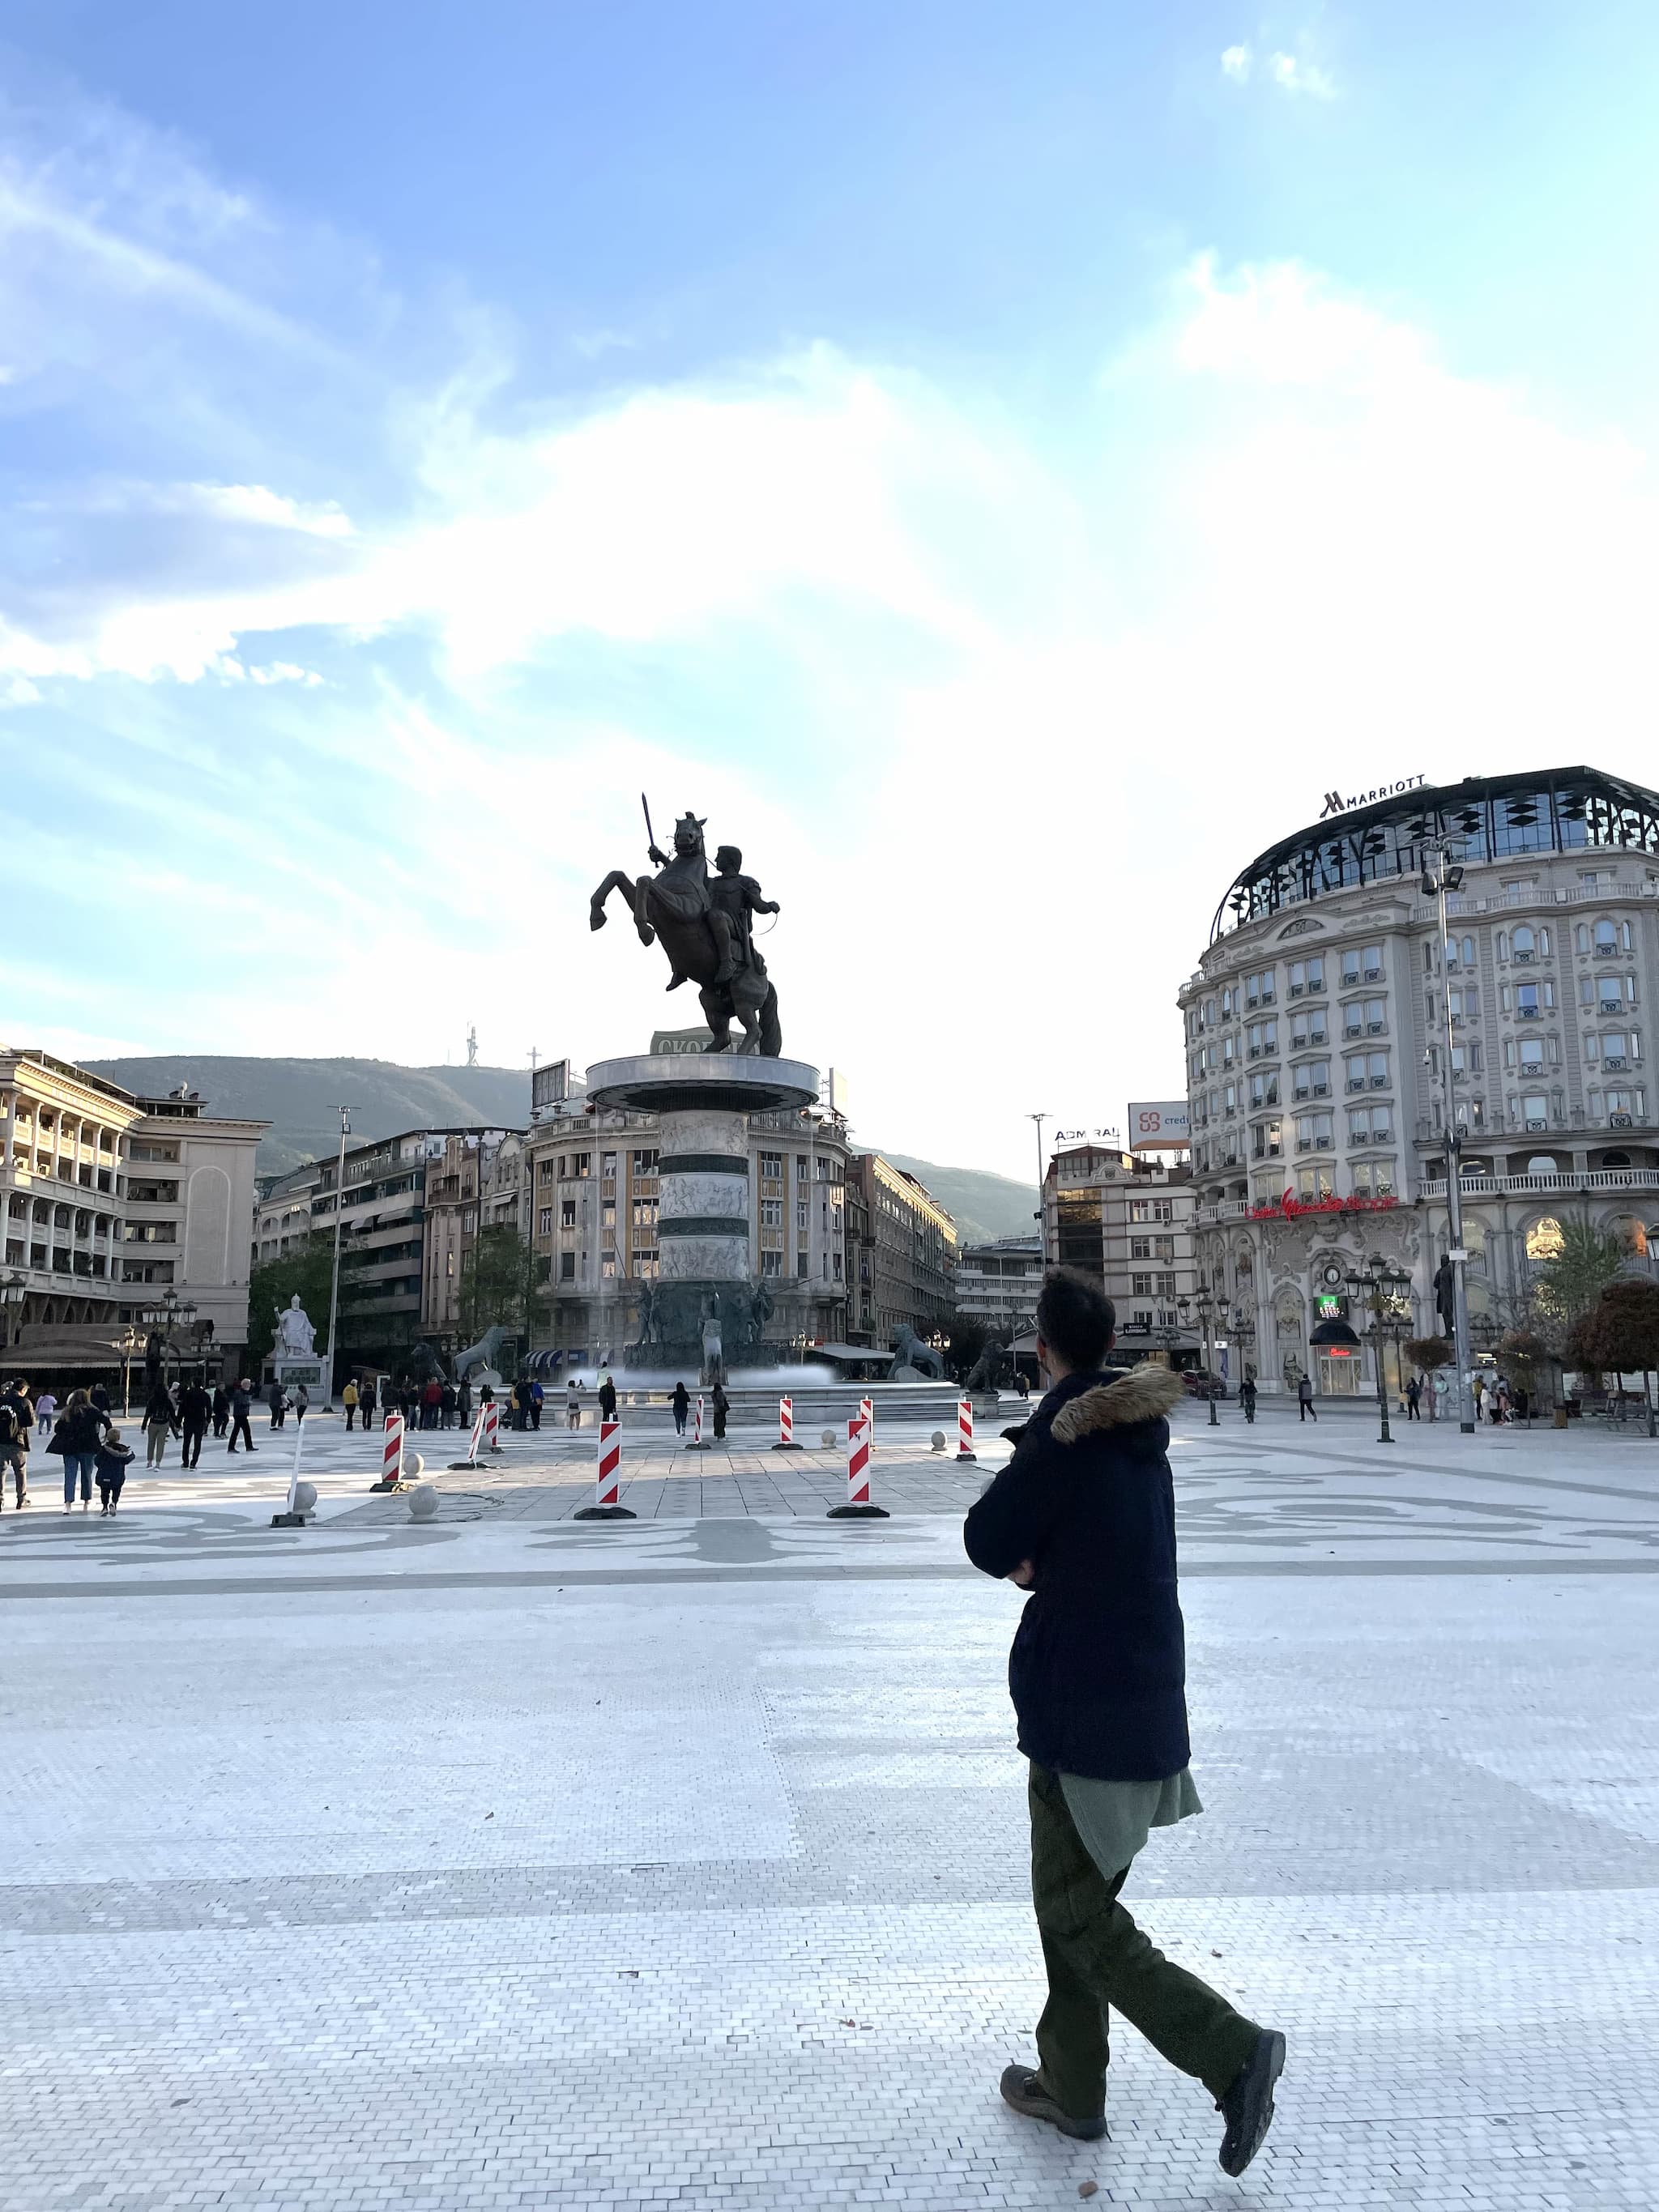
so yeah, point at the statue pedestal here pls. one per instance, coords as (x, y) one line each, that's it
(703, 1101)
(292, 1372)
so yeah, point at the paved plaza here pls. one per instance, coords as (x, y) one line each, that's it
(517, 1861)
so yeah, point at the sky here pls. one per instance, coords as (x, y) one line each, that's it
(1000, 466)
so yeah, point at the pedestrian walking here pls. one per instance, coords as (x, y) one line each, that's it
(538, 1397)
(722, 1405)
(45, 1412)
(301, 1404)
(1247, 1395)
(348, 1400)
(1083, 1516)
(242, 1405)
(1305, 1408)
(682, 1408)
(221, 1409)
(276, 1400)
(113, 1460)
(1479, 1388)
(195, 1411)
(75, 1437)
(16, 1420)
(448, 1401)
(366, 1401)
(1413, 1398)
(464, 1402)
(573, 1405)
(432, 1398)
(100, 1397)
(160, 1418)
(607, 1397)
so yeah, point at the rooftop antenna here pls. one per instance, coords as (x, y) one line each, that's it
(532, 1059)
(472, 1044)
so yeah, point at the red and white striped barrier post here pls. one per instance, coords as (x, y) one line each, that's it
(473, 1442)
(858, 1506)
(696, 1443)
(607, 1490)
(392, 1454)
(965, 1429)
(491, 1417)
(786, 1426)
(867, 1407)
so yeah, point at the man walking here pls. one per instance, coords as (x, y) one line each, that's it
(1083, 1516)
(538, 1396)
(1247, 1394)
(348, 1400)
(242, 1405)
(1413, 1398)
(1305, 1407)
(195, 1412)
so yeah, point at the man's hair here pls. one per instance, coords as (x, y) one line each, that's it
(729, 853)
(1075, 1315)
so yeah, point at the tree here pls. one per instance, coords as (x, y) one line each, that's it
(500, 1285)
(1426, 1353)
(1523, 1358)
(1620, 1334)
(963, 1337)
(309, 1269)
(1570, 1284)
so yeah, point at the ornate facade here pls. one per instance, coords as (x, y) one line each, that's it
(1327, 1020)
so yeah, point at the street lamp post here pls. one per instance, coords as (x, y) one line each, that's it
(334, 1278)
(14, 1289)
(1437, 882)
(129, 1345)
(1204, 1304)
(168, 1317)
(1380, 1288)
(1042, 1169)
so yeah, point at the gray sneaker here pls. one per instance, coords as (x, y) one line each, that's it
(1023, 2090)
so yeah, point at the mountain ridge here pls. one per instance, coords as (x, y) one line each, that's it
(300, 1098)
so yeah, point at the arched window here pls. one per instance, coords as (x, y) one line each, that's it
(1606, 939)
(1525, 943)
(1468, 952)
(1501, 942)
(1581, 937)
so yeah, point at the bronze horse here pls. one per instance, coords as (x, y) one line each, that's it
(674, 905)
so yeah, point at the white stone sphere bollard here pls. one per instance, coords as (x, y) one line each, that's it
(305, 1498)
(830, 1438)
(423, 1502)
(938, 1440)
(414, 1467)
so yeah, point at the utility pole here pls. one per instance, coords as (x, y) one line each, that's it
(1437, 882)
(1042, 1213)
(334, 1281)
(472, 1044)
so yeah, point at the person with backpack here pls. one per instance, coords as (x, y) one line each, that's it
(1247, 1395)
(682, 1408)
(160, 1420)
(17, 1419)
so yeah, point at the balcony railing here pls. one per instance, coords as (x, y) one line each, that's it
(1606, 1179)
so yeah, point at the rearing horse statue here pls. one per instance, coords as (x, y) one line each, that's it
(703, 924)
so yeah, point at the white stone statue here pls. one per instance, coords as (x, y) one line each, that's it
(296, 1337)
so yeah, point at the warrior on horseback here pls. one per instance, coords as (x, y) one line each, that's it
(703, 921)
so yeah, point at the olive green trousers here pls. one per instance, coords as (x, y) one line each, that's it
(1098, 1959)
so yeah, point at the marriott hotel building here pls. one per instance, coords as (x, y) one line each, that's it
(1316, 1035)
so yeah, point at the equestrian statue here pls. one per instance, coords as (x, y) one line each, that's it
(705, 925)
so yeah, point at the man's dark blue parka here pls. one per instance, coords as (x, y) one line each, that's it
(1098, 1668)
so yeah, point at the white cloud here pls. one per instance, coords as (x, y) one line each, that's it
(1294, 75)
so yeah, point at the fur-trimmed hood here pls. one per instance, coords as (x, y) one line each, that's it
(1142, 1394)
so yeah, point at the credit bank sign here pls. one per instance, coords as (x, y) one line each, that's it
(1335, 802)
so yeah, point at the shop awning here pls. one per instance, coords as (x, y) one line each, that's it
(1333, 1335)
